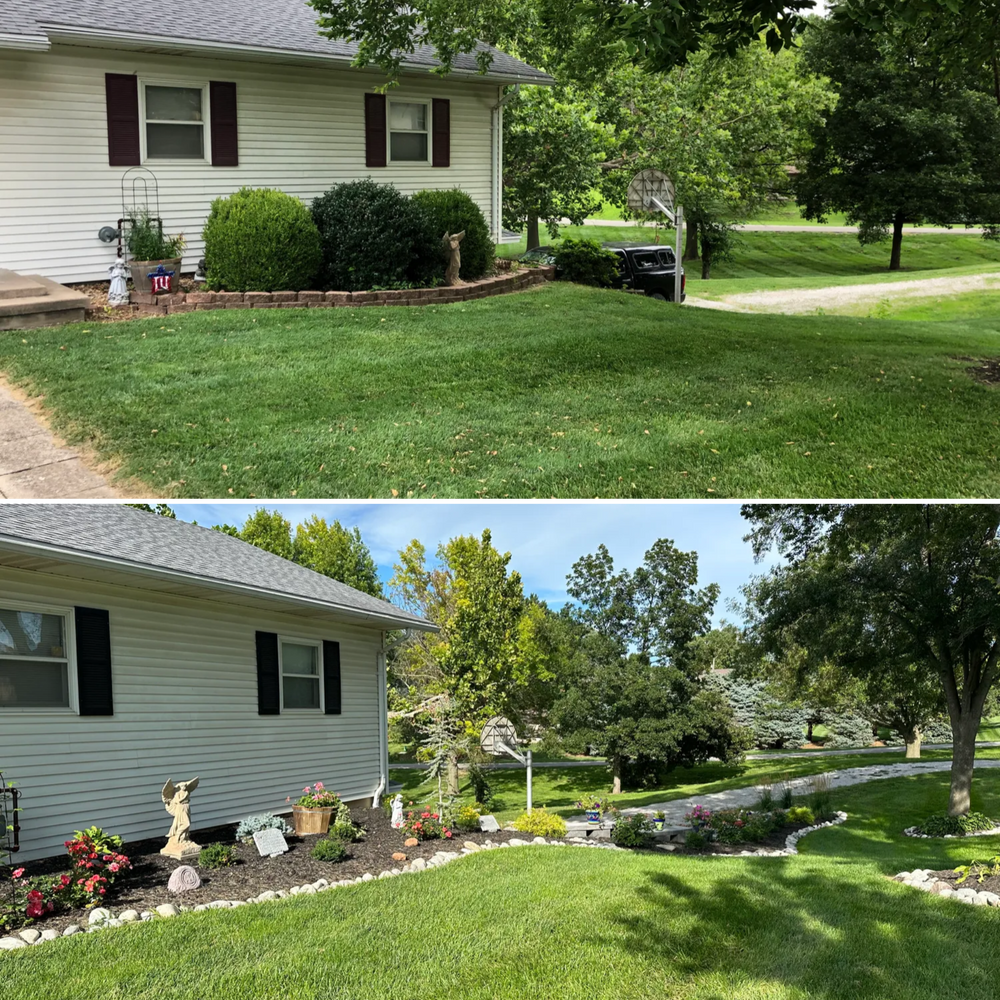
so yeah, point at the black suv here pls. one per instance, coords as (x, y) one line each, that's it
(647, 268)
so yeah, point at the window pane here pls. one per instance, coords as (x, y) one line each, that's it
(666, 257)
(411, 117)
(301, 692)
(29, 633)
(408, 146)
(298, 659)
(175, 142)
(173, 104)
(27, 684)
(644, 260)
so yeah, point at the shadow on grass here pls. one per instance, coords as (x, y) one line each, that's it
(830, 934)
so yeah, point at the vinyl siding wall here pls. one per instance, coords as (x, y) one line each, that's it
(301, 129)
(185, 693)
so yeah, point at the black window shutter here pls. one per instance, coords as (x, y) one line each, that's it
(331, 677)
(441, 121)
(93, 661)
(375, 130)
(225, 135)
(268, 680)
(122, 93)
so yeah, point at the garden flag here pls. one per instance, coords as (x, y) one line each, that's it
(160, 280)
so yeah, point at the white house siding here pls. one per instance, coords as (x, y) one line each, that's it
(185, 700)
(301, 129)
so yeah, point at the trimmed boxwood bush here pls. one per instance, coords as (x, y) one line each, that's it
(454, 212)
(373, 236)
(261, 240)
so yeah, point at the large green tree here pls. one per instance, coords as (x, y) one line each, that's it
(904, 145)
(903, 597)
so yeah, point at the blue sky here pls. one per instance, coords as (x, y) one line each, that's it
(544, 538)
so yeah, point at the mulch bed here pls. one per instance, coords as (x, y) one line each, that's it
(774, 841)
(145, 886)
(949, 875)
(986, 371)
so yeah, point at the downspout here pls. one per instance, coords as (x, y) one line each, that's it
(383, 729)
(497, 179)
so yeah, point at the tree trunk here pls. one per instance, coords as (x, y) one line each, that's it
(809, 733)
(533, 240)
(616, 775)
(691, 242)
(963, 758)
(912, 743)
(897, 242)
(706, 260)
(453, 776)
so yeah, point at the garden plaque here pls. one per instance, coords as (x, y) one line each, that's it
(489, 824)
(270, 842)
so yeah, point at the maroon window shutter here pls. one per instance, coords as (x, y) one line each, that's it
(375, 130)
(123, 119)
(441, 120)
(225, 135)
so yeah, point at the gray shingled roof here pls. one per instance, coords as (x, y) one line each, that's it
(135, 538)
(287, 25)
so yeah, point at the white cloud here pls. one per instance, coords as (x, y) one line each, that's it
(544, 538)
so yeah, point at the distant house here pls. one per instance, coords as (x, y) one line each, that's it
(134, 648)
(211, 96)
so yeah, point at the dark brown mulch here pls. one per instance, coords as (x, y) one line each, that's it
(991, 884)
(984, 370)
(145, 886)
(773, 841)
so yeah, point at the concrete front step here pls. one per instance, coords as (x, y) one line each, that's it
(31, 301)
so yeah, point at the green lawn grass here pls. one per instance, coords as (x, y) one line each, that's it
(543, 922)
(561, 391)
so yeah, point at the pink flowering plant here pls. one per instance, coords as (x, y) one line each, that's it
(426, 825)
(318, 797)
(97, 864)
(699, 817)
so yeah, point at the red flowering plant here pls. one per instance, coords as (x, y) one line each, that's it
(34, 898)
(97, 862)
(426, 825)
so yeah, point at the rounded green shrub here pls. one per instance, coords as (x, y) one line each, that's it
(587, 263)
(632, 831)
(943, 825)
(217, 856)
(373, 236)
(261, 240)
(329, 849)
(455, 212)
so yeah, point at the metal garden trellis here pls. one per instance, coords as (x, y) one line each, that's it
(9, 831)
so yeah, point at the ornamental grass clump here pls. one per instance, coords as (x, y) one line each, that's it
(261, 240)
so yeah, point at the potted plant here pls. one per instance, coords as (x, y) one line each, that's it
(659, 819)
(593, 806)
(311, 814)
(149, 249)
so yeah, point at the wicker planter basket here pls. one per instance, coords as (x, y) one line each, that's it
(307, 821)
(140, 273)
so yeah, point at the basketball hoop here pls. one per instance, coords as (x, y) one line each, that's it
(650, 192)
(499, 737)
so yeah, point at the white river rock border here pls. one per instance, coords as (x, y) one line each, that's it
(102, 918)
(922, 879)
(914, 831)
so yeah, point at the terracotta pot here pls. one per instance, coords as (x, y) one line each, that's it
(141, 268)
(308, 821)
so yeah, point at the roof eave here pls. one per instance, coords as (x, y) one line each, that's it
(385, 621)
(71, 35)
(29, 43)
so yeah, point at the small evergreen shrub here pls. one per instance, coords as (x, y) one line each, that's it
(261, 240)
(765, 800)
(847, 731)
(373, 235)
(632, 831)
(454, 212)
(695, 839)
(540, 824)
(344, 828)
(587, 263)
(467, 818)
(329, 849)
(262, 821)
(941, 824)
(481, 786)
(217, 856)
(800, 814)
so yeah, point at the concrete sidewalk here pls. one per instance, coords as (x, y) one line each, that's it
(34, 465)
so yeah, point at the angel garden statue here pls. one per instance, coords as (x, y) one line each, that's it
(454, 256)
(118, 290)
(177, 801)
(397, 813)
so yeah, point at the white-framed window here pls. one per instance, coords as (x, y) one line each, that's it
(301, 664)
(36, 663)
(174, 121)
(409, 132)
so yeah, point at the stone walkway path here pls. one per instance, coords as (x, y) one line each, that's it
(735, 798)
(34, 466)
